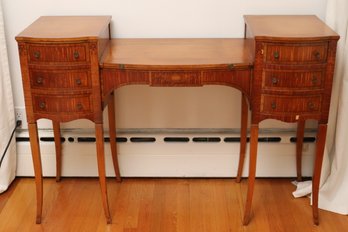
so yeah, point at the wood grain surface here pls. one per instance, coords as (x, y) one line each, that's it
(157, 205)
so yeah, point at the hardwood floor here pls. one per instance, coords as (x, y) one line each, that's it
(161, 205)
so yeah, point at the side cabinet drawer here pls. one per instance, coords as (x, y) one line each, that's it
(292, 79)
(290, 104)
(62, 104)
(58, 53)
(294, 53)
(60, 79)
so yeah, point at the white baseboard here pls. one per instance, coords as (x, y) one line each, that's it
(163, 159)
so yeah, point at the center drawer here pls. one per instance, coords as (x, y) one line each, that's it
(175, 78)
(60, 79)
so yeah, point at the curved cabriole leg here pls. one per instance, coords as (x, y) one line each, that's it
(243, 138)
(101, 169)
(254, 133)
(58, 145)
(319, 153)
(112, 134)
(299, 146)
(35, 151)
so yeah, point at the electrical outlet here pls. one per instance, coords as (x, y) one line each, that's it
(21, 115)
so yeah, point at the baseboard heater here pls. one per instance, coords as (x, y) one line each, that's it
(168, 152)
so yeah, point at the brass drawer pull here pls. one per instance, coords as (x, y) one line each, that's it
(78, 81)
(79, 106)
(37, 55)
(317, 55)
(76, 55)
(274, 105)
(314, 80)
(276, 55)
(311, 105)
(274, 80)
(42, 105)
(39, 80)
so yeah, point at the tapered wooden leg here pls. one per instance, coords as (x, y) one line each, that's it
(35, 152)
(243, 138)
(58, 145)
(299, 146)
(319, 153)
(254, 133)
(112, 134)
(101, 169)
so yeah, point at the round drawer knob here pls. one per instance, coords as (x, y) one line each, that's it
(42, 105)
(276, 55)
(317, 54)
(314, 80)
(37, 54)
(39, 80)
(76, 55)
(274, 80)
(79, 106)
(78, 81)
(274, 105)
(311, 105)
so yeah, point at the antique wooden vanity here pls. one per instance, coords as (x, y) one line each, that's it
(283, 67)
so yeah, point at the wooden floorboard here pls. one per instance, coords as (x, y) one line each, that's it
(161, 205)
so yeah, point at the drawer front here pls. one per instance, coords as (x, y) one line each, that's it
(62, 104)
(293, 53)
(292, 80)
(290, 104)
(58, 53)
(60, 79)
(172, 78)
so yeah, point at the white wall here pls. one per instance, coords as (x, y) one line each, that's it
(144, 107)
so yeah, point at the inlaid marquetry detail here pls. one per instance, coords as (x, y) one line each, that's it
(175, 78)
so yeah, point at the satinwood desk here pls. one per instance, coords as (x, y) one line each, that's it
(283, 67)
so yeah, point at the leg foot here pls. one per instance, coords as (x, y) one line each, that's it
(299, 146)
(243, 138)
(252, 171)
(35, 151)
(58, 145)
(319, 153)
(112, 134)
(101, 169)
